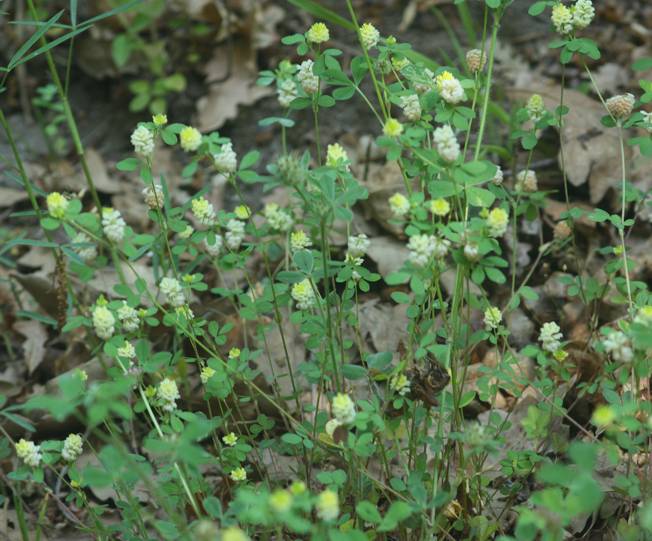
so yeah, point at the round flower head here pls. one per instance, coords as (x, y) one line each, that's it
(226, 160)
(440, 247)
(189, 139)
(233, 533)
(337, 157)
(561, 230)
(583, 13)
(617, 344)
(392, 128)
(242, 212)
(303, 294)
(446, 142)
(307, 78)
(160, 119)
(113, 224)
(72, 447)
(449, 88)
(422, 248)
(287, 92)
(497, 222)
(471, 251)
(647, 120)
(57, 205)
(369, 36)
(399, 383)
(128, 317)
(475, 60)
(153, 196)
(328, 505)
(620, 107)
(206, 373)
(411, 107)
(280, 501)
(214, 247)
(492, 318)
(440, 207)
(143, 141)
(234, 353)
(203, 211)
(277, 218)
(343, 408)
(526, 181)
(358, 245)
(230, 439)
(168, 393)
(103, 322)
(239, 474)
(299, 240)
(127, 350)
(498, 177)
(318, 33)
(29, 452)
(84, 248)
(644, 315)
(399, 63)
(172, 290)
(235, 233)
(399, 205)
(535, 107)
(550, 337)
(562, 19)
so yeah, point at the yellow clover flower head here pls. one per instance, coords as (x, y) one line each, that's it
(239, 474)
(399, 204)
(233, 533)
(393, 128)
(206, 373)
(336, 156)
(242, 212)
(328, 505)
(230, 439)
(369, 36)
(318, 33)
(160, 119)
(280, 500)
(441, 78)
(603, 415)
(234, 353)
(190, 139)
(57, 205)
(562, 19)
(440, 207)
(297, 487)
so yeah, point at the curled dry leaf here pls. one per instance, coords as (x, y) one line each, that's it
(34, 344)
(591, 151)
(231, 75)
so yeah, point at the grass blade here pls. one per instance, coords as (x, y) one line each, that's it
(322, 13)
(32, 40)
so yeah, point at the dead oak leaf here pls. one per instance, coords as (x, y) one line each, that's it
(34, 345)
(232, 76)
(591, 151)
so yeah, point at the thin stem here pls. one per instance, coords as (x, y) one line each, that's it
(487, 94)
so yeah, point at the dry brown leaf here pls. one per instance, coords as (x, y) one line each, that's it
(592, 152)
(10, 196)
(384, 324)
(34, 344)
(232, 78)
(389, 254)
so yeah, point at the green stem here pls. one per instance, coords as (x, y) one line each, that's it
(487, 94)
